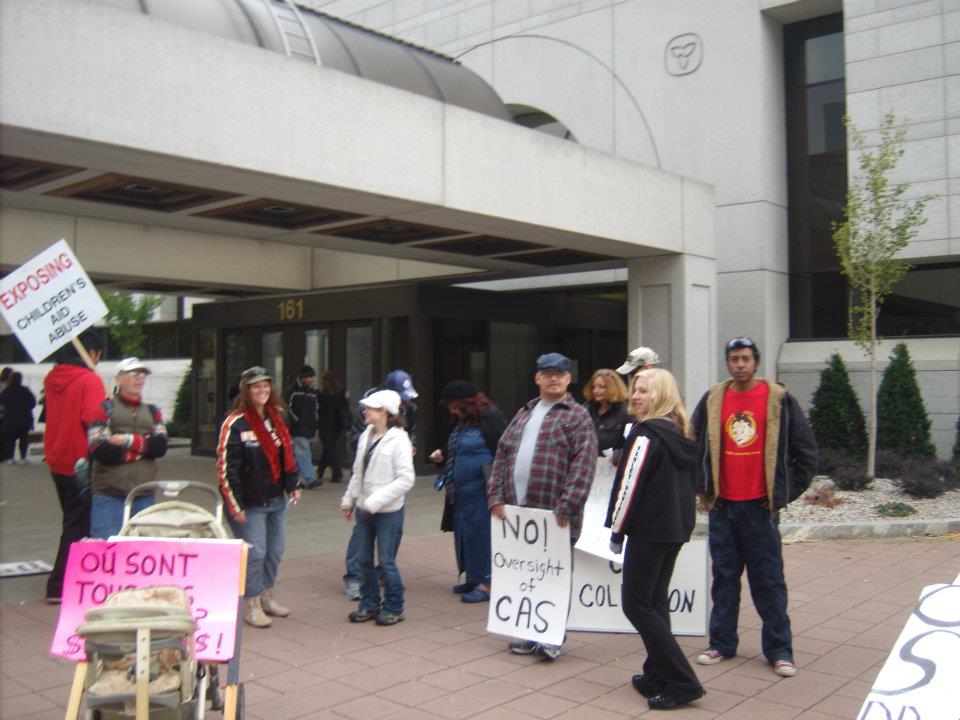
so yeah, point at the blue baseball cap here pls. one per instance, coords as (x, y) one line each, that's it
(553, 361)
(401, 383)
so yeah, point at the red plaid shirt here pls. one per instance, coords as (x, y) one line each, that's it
(563, 465)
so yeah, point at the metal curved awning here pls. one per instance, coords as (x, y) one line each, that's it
(306, 34)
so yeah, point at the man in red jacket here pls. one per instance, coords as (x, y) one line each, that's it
(73, 393)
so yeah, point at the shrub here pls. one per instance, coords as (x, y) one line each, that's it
(956, 442)
(831, 459)
(895, 509)
(902, 423)
(850, 478)
(923, 478)
(951, 474)
(889, 465)
(835, 416)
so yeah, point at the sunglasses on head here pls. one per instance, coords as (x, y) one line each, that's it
(740, 342)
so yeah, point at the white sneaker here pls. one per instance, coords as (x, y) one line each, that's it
(25, 461)
(710, 656)
(785, 668)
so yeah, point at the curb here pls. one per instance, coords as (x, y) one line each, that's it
(867, 529)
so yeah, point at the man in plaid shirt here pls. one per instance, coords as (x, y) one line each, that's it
(546, 459)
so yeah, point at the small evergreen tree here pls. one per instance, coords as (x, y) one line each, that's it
(902, 423)
(835, 415)
(183, 406)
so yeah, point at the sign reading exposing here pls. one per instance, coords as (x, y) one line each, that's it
(530, 584)
(49, 300)
(209, 570)
(918, 680)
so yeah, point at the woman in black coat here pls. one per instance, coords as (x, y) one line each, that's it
(653, 504)
(606, 401)
(18, 402)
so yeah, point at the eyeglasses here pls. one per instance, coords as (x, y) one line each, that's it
(740, 342)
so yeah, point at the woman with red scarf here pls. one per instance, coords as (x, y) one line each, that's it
(256, 469)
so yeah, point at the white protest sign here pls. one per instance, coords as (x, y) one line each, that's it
(595, 600)
(918, 681)
(530, 584)
(49, 300)
(594, 537)
(595, 603)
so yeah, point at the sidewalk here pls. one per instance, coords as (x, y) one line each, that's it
(848, 602)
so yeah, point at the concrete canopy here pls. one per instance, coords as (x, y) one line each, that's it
(101, 104)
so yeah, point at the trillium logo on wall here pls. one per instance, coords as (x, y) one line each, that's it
(683, 54)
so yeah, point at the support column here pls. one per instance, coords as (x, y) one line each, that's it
(672, 308)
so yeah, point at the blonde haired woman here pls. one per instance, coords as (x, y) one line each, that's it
(652, 504)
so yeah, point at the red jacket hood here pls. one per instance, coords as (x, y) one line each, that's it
(64, 374)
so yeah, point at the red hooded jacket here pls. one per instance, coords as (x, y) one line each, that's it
(73, 397)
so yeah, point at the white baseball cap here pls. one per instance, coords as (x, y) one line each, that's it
(639, 358)
(383, 399)
(132, 364)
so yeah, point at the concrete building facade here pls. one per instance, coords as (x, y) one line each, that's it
(697, 159)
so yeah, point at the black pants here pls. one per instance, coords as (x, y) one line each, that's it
(647, 568)
(330, 457)
(12, 436)
(76, 526)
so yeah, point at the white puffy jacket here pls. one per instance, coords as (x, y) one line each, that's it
(388, 477)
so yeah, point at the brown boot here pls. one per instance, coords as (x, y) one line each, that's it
(253, 613)
(271, 606)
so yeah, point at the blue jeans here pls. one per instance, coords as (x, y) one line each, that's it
(354, 574)
(106, 513)
(744, 534)
(304, 458)
(266, 532)
(383, 531)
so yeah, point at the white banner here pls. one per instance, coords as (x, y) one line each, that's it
(530, 584)
(595, 603)
(49, 300)
(918, 680)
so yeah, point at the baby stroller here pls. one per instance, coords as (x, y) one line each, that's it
(175, 518)
(140, 656)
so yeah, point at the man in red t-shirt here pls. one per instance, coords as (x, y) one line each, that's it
(757, 454)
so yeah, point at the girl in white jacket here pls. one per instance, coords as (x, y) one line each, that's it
(382, 476)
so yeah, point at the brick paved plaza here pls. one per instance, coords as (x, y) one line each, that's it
(848, 602)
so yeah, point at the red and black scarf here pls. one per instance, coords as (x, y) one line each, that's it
(268, 442)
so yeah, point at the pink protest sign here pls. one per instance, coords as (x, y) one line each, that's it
(209, 570)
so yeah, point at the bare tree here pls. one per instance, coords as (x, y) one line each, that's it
(879, 223)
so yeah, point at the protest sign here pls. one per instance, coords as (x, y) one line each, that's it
(530, 587)
(918, 680)
(209, 570)
(595, 602)
(49, 300)
(594, 537)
